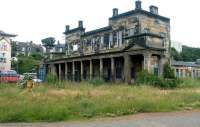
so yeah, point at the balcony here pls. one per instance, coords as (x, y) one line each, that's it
(147, 40)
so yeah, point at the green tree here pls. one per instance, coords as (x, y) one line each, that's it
(37, 56)
(48, 43)
(175, 55)
(190, 54)
(187, 54)
(25, 64)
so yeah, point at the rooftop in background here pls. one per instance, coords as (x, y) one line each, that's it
(6, 34)
(186, 64)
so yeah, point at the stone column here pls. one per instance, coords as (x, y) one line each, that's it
(82, 71)
(91, 70)
(147, 62)
(184, 71)
(101, 69)
(127, 68)
(161, 65)
(66, 71)
(73, 71)
(59, 72)
(113, 69)
(53, 69)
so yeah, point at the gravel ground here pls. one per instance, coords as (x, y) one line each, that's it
(175, 119)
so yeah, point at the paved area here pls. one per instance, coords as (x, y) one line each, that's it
(175, 119)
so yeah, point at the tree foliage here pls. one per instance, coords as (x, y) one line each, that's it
(187, 54)
(26, 64)
(48, 42)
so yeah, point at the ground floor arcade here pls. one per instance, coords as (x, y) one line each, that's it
(119, 67)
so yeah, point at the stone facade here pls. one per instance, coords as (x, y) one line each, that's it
(133, 41)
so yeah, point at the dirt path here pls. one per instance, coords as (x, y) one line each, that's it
(175, 119)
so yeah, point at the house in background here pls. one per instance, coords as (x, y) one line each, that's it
(27, 48)
(186, 69)
(5, 51)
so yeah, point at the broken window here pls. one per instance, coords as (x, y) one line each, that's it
(119, 68)
(106, 41)
(131, 32)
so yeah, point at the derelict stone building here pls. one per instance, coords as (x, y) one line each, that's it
(133, 41)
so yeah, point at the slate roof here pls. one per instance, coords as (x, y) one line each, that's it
(107, 28)
(132, 12)
(186, 64)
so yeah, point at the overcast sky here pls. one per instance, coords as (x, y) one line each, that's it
(37, 19)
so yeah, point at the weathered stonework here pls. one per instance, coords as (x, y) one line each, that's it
(133, 41)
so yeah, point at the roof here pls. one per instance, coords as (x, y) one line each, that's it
(6, 34)
(107, 28)
(182, 63)
(129, 13)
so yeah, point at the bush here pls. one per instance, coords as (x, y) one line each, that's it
(52, 79)
(147, 78)
(168, 72)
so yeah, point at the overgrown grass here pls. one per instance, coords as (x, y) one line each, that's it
(75, 101)
(190, 83)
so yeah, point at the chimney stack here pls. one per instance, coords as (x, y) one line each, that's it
(154, 9)
(138, 5)
(67, 28)
(115, 12)
(80, 24)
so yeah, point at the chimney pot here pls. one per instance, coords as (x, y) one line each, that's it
(80, 24)
(67, 28)
(153, 9)
(115, 12)
(138, 5)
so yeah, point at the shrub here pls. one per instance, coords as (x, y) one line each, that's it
(51, 79)
(168, 72)
(147, 78)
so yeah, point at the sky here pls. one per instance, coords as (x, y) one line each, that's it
(33, 20)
